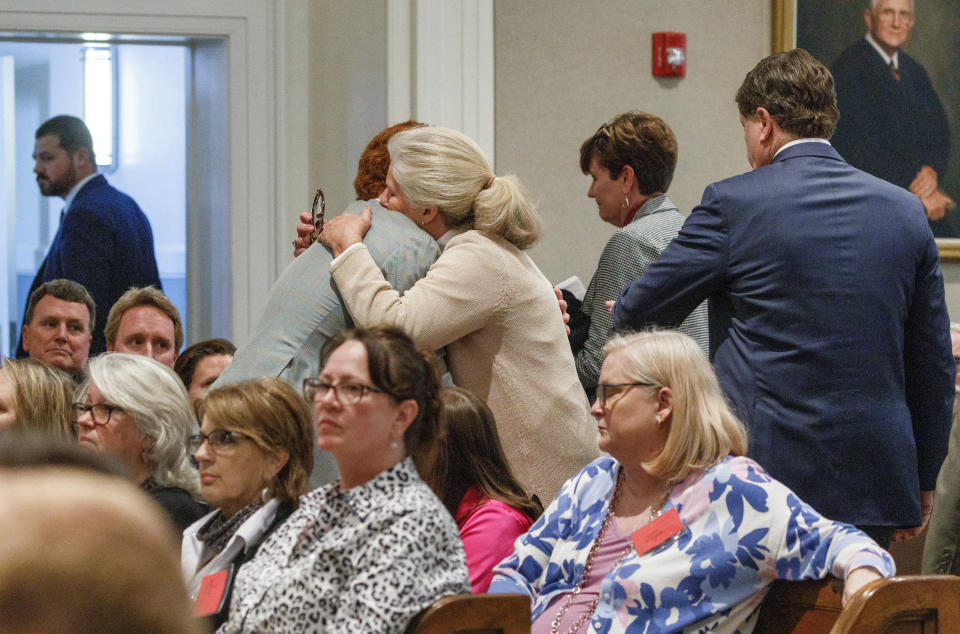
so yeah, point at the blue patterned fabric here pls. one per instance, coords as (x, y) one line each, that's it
(742, 531)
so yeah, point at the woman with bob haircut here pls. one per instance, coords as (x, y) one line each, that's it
(254, 453)
(137, 410)
(368, 552)
(483, 299)
(676, 529)
(467, 469)
(36, 396)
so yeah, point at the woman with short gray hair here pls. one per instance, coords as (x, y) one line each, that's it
(137, 410)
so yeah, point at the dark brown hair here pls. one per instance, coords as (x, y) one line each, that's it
(274, 416)
(796, 90)
(642, 141)
(186, 363)
(372, 168)
(399, 369)
(468, 453)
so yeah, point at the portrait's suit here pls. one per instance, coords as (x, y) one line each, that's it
(304, 309)
(105, 243)
(888, 128)
(828, 328)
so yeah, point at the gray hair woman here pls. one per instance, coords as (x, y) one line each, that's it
(137, 410)
(483, 299)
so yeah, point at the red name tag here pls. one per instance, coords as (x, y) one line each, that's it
(656, 531)
(212, 588)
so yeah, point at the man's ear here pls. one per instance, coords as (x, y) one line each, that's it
(868, 19)
(766, 123)
(81, 158)
(24, 341)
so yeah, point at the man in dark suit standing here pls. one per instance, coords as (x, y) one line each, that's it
(828, 327)
(892, 123)
(104, 241)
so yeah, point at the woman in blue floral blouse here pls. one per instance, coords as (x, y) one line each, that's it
(675, 529)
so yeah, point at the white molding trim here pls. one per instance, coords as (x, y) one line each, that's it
(448, 68)
(255, 137)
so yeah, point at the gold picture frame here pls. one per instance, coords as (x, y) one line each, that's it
(783, 30)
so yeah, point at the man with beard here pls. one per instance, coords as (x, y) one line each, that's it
(104, 241)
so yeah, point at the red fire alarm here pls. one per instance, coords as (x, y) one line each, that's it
(669, 54)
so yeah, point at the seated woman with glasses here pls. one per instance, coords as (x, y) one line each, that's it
(368, 552)
(466, 468)
(137, 410)
(675, 530)
(37, 397)
(254, 453)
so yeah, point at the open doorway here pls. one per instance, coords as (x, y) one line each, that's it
(172, 111)
(134, 99)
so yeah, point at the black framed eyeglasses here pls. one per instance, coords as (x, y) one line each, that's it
(604, 389)
(318, 211)
(217, 440)
(100, 413)
(345, 393)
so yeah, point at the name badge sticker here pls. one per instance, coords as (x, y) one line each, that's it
(657, 531)
(213, 591)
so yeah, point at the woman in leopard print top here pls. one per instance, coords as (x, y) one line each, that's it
(370, 551)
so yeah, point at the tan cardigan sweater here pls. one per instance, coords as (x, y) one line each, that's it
(496, 313)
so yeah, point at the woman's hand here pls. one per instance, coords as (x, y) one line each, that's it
(858, 578)
(563, 309)
(304, 234)
(346, 229)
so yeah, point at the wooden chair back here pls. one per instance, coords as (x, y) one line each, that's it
(475, 614)
(922, 604)
(801, 607)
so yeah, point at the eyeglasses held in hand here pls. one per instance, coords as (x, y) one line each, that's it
(318, 211)
(345, 393)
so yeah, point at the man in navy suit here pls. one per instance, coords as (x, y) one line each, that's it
(104, 241)
(892, 123)
(828, 327)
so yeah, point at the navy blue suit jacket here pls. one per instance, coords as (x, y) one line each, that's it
(828, 328)
(105, 243)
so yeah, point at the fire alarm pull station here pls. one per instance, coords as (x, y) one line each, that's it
(669, 54)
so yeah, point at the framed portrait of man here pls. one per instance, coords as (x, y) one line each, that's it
(898, 91)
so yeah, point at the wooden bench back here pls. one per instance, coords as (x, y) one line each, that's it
(476, 614)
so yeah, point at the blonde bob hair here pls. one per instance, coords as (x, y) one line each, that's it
(274, 416)
(442, 167)
(43, 396)
(703, 429)
(157, 401)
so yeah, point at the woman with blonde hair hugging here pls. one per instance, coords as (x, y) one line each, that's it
(675, 530)
(483, 299)
(36, 396)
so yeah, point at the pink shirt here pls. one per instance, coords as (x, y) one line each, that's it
(488, 529)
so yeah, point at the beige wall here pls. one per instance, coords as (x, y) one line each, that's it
(348, 95)
(563, 67)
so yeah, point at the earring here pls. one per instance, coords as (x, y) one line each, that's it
(626, 202)
(659, 420)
